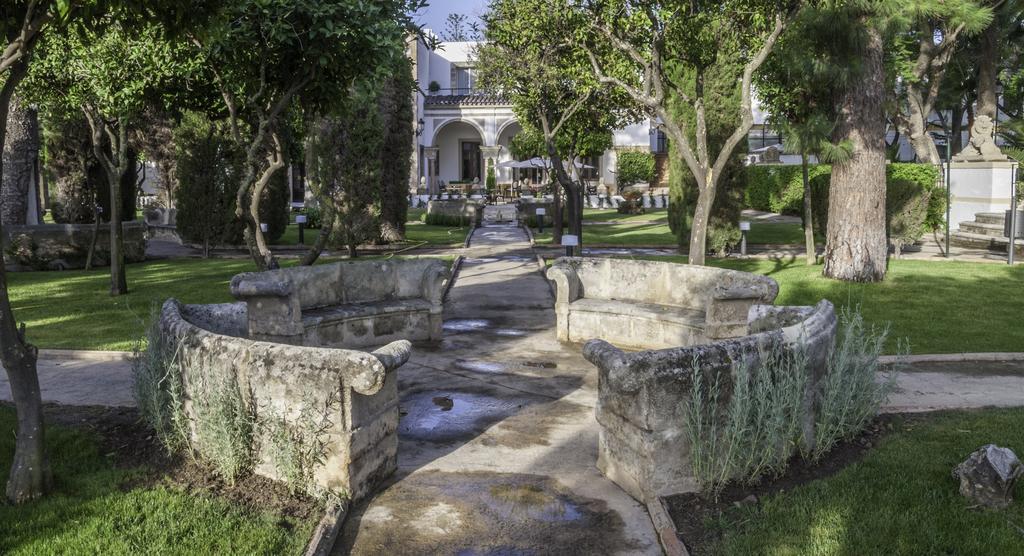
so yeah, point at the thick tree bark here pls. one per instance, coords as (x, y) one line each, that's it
(988, 71)
(20, 151)
(856, 246)
(812, 253)
(30, 469)
(326, 228)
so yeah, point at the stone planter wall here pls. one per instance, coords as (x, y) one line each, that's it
(66, 246)
(352, 394)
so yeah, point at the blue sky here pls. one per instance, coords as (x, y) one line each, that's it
(433, 16)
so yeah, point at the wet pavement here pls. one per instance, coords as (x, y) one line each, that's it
(497, 438)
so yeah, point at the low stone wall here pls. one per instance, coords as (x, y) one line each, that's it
(649, 305)
(643, 396)
(456, 208)
(66, 246)
(342, 403)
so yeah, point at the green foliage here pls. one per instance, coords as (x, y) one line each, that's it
(907, 186)
(747, 425)
(634, 167)
(347, 165)
(296, 448)
(492, 180)
(159, 389)
(313, 217)
(117, 510)
(224, 423)
(854, 386)
(778, 188)
(208, 166)
(449, 220)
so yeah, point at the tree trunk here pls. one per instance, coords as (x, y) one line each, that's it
(20, 149)
(30, 469)
(856, 245)
(701, 220)
(326, 227)
(812, 253)
(920, 139)
(556, 209)
(988, 70)
(957, 129)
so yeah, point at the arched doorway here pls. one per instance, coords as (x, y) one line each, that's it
(459, 158)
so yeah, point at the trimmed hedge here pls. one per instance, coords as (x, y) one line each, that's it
(445, 220)
(634, 167)
(780, 188)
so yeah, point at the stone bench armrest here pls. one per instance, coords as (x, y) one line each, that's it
(394, 355)
(248, 285)
(432, 284)
(567, 283)
(614, 365)
(760, 292)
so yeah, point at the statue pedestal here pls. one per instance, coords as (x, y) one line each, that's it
(978, 187)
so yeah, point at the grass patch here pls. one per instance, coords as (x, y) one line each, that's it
(938, 307)
(91, 511)
(441, 236)
(652, 230)
(74, 310)
(900, 499)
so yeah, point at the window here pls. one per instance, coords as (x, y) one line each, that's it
(463, 80)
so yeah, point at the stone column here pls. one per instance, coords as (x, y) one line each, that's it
(430, 155)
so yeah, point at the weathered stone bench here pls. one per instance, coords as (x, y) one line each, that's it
(350, 304)
(645, 304)
(349, 397)
(642, 396)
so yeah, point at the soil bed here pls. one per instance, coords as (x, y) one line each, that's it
(695, 516)
(131, 444)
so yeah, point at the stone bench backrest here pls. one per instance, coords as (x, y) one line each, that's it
(675, 285)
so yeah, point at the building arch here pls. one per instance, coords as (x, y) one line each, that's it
(453, 122)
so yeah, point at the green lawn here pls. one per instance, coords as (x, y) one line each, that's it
(900, 499)
(652, 230)
(416, 232)
(73, 309)
(937, 306)
(93, 511)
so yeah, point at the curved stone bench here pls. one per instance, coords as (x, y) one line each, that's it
(647, 304)
(352, 304)
(642, 395)
(354, 392)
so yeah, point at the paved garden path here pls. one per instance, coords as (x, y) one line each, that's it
(498, 442)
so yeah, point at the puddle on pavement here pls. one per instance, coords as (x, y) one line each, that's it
(497, 514)
(540, 364)
(449, 416)
(514, 332)
(465, 325)
(469, 260)
(480, 366)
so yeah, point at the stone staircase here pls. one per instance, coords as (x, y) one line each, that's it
(500, 214)
(985, 232)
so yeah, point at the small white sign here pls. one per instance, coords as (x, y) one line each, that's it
(541, 212)
(570, 240)
(744, 226)
(263, 228)
(300, 219)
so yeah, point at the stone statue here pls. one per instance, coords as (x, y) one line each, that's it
(982, 147)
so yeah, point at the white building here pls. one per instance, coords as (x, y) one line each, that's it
(460, 127)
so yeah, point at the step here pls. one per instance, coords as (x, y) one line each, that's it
(983, 229)
(978, 241)
(990, 218)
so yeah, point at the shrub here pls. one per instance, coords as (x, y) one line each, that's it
(314, 220)
(159, 391)
(906, 210)
(492, 181)
(906, 186)
(224, 422)
(757, 430)
(450, 220)
(297, 449)
(851, 392)
(779, 188)
(634, 167)
(633, 203)
(721, 237)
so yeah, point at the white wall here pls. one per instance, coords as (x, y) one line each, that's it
(449, 149)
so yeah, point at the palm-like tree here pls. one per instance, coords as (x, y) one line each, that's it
(812, 137)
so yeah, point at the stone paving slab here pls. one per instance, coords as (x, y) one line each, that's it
(82, 381)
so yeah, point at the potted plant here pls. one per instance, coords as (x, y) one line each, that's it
(434, 87)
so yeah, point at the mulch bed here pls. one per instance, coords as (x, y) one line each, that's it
(130, 443)
(692, 512)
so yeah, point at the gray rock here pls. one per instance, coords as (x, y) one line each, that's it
(988, 476)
